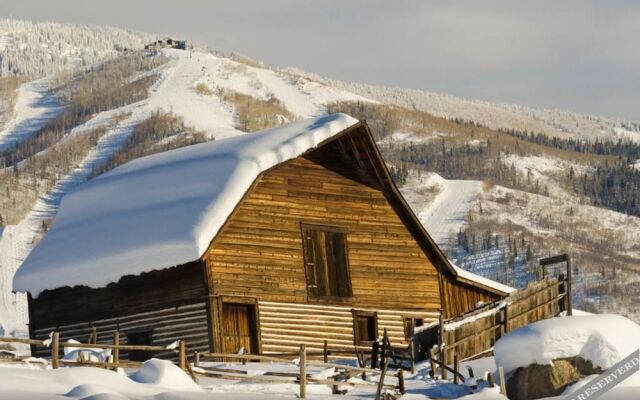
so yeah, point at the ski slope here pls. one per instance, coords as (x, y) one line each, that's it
(35, 105)
(447, 213)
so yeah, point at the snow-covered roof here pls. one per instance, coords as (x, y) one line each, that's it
(162, 210)
(470, 276)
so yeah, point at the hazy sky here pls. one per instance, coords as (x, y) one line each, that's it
(577, 55)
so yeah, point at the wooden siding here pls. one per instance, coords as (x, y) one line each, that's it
(188, 322)
(259, 252)
(284, 326)
(460, 298)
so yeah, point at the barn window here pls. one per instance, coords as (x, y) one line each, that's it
(326, 264)
(365, 327)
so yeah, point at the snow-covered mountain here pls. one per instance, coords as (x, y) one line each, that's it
(36, 49)
(212, 96)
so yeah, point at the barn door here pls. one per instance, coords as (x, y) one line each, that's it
(239, 328)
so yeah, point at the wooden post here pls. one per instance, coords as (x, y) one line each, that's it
(374, 354)
(182, 355)
(401, 381)
(116, 350)
(326, 351)
(503, 384)
(303, 371)
(490, 379)
(442, 344)
(412, 349)
(94, 335)
(334, 388)
(506, 318)
(381, 381)
(456, 368)
(55, 349)
(196, 359)
(432, 357)
(569, 283)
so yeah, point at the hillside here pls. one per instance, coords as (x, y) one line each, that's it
(501, 199)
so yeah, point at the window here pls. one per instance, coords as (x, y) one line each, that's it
(365, 327)
(325, 260)
(410, 324)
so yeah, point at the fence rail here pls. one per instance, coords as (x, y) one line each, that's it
(113, 362)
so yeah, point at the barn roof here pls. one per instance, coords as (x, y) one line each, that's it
(162, 210)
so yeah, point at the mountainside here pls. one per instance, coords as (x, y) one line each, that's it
(75, 105)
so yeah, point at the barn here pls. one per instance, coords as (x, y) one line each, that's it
(291, 235)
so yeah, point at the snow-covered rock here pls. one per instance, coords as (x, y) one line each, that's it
(602, 339)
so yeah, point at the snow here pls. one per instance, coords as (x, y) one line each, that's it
(448, 212)
(165, 374)
(35, 105)
(482, 280)
(158, 211)
(602, 339)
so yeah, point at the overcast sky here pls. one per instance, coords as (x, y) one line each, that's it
(577, 55)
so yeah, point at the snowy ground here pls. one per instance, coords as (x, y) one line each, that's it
(162, 380)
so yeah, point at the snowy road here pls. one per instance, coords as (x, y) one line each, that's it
(447, 213)
(35, 105)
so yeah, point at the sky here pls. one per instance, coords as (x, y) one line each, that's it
(574, 55)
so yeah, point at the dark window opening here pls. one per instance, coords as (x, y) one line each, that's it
(326, 264)
(142, 338)
(365, 327)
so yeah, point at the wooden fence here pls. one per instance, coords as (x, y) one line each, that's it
(475, 333)
(114, 362)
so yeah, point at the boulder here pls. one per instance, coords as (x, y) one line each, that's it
(539, 381)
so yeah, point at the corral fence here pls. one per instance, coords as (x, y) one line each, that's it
(475, 333)
(84, 358)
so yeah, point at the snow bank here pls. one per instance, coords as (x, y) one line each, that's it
(602, 339)
(162, 210)
(163, 373)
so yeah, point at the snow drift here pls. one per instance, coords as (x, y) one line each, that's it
(602, 339)
(160, 211)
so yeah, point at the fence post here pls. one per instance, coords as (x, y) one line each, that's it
(442, 345)
(412, 349)
(568, 294)
(490, 379)
(432, 357)
(196, 359)
(456, 368)
(374, 354)
(401, 381)
(55, 348)
(506, 318)
(503, 384)
(381, 381)
(303, 371)
(326, 351)
(182, 355)
(116, 350)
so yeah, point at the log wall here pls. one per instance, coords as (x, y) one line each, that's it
(285, 326)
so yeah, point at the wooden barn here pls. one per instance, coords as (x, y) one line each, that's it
(267, 240)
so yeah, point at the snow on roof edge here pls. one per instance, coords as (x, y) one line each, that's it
(463, 273)
(151, 201)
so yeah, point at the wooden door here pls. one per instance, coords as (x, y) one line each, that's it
(239, 328)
